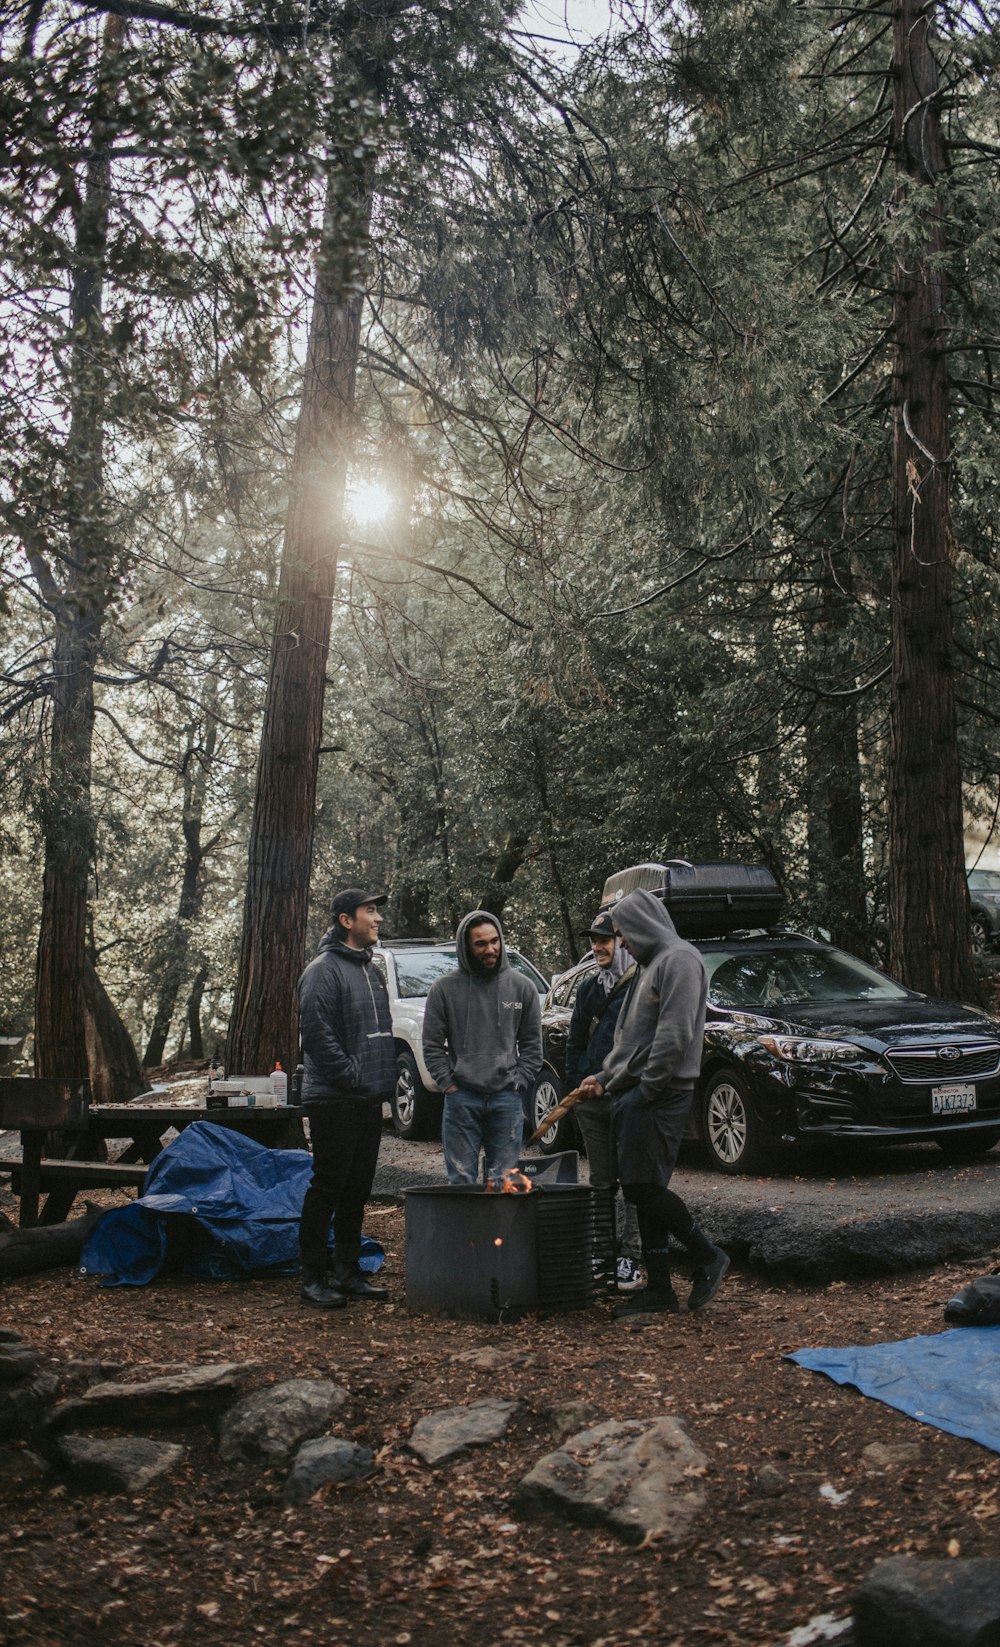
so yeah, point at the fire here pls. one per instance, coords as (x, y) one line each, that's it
(512, 1182)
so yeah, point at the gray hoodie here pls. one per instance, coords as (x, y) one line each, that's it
(484, 1034)
(658, 1036)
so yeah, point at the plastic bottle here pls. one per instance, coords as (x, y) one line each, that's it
(279, 1084)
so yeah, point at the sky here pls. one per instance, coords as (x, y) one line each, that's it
(569, 20)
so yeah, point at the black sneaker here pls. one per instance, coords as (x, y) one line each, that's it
(707, 1279)
(648, 1302)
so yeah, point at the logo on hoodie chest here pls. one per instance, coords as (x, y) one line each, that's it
(512, 1006)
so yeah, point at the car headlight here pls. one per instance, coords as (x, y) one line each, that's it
(801, 1050)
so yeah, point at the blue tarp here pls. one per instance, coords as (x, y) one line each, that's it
(215, 1204)
(950, 1380)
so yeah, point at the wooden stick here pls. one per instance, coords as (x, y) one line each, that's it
(562, 1108)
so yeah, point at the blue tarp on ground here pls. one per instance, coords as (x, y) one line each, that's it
(215, 1204)
(950, 1380)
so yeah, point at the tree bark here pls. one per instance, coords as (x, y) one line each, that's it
(195, 779)
(194, 1013)
(78, 607)
(264, 1022)
(115, 1075)
(929, 945)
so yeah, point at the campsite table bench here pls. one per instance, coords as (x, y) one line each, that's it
(38, 1107)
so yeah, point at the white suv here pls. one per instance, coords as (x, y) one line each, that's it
(410, 966)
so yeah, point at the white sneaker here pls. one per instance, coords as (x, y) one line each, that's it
(630, 1275)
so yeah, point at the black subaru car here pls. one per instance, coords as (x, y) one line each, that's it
(804, 1042)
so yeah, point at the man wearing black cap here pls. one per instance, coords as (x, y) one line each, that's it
(598, 1002)
(349, 1067)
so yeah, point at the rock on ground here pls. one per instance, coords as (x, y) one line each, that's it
(119, 1463)
(190, 1393)
(324, 1462)
(269, 1424)
(442, 1434)
(905, 1602)
(639, 1478)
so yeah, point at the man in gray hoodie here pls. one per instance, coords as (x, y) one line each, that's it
(650, 1076)
(482, 1040)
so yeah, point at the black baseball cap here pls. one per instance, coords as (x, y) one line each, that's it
(600, 927)
(350, 900)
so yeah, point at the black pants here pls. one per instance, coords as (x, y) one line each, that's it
(345, 1135)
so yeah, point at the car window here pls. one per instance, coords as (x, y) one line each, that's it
(769, 977)
(984, 880)
(417, 969)
(519, 964)
(566, 992)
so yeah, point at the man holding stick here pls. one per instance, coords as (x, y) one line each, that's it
(650, 1075)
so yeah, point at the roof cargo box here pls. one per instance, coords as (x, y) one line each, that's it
(704, 900)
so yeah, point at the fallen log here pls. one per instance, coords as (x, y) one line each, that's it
(44, 1246)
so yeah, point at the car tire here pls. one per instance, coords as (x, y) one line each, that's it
(416, 1113)
(967, 1146)
(730, 1130)
(982, 938)
(545, 1095)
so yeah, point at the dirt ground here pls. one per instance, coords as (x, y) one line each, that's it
(416, 1554)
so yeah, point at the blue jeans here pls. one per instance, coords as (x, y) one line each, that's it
(491, 1122)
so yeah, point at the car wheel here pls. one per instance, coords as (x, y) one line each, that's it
(729, 1128)
(416, 1113)
(967, 1146)
(544, 1099)
(981, 938)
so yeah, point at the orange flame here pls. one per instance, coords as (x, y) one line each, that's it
(512, 1182)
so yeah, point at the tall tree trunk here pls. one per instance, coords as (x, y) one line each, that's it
(195, 777)
(264, 1022)
(929, 944)
(78, 607)
(194, 1013)
(115, 1075)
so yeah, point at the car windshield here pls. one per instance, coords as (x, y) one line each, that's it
(417, 969)
(782, 977)
(984, 880)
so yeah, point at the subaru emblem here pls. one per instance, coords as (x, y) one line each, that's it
(949, 1055)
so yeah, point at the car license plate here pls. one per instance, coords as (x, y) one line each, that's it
(952, 1100)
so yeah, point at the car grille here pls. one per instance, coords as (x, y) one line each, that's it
(923, 1064)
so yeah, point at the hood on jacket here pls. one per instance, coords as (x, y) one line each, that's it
(461, 936)
(645, 925)
(331, 939)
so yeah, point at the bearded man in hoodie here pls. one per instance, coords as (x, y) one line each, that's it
(650, 1076)
(349, 1067)
(482, 1039)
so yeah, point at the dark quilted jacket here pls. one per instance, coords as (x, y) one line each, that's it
(345, 1025)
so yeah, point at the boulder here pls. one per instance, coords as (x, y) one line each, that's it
(192, 1393)
(905, 1602)
(117, 1463)
(442, 1434)
(639, 1478)
(323, 1463)
(268, 1425)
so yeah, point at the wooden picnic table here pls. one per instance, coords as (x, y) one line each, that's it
(146, 1124)
(37, 1108)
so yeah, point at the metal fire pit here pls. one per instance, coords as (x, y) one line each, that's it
(472, 1251)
